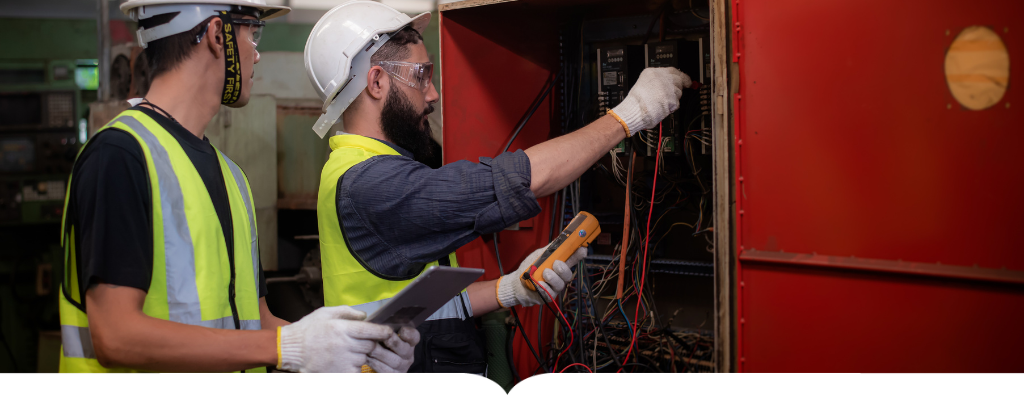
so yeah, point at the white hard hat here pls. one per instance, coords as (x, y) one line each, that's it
(190, 14)
(338, 51)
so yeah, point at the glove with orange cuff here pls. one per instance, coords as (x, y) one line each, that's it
(654, 96)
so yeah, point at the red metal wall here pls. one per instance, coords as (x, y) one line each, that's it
(491, 72)
(845, 147)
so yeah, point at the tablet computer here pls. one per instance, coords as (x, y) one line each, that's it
(424, 296)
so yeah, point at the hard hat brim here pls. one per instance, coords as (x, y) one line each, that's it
(267, 11)
(420, 22)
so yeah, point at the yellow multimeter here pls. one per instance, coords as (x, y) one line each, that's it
(582, 230)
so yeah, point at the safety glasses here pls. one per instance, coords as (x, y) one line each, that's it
(256, 28)
(255, 31)
(415, 75)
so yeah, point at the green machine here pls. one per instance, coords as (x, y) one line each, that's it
(42, 125)
(43, 109)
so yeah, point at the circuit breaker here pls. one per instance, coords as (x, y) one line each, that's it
(664, 54)
(618, 68)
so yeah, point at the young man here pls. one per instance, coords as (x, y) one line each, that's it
(384, 216)
(163, 269)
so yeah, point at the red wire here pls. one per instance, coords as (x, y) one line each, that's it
(671, 349)
(574, 364)
(687, 365)
(647, 242)
(552, 299)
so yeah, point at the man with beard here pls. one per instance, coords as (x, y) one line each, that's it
(162, 262)
(384, 216)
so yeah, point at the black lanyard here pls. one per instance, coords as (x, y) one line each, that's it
(159, 109)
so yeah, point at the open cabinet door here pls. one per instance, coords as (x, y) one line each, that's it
(878, 185)
(491, 73)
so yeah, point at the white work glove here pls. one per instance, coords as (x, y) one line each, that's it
(654, 97)
(396, 354)
(511, 290)
(331, 339)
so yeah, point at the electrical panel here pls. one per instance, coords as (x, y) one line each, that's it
(667, 270)
(618, 68)
(689, 57)
(664, 54)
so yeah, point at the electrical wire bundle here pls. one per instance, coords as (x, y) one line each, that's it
(598, 328)
(600, 332)
(598, 339)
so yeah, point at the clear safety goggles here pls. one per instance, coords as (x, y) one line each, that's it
(415, 75)
(255, 29)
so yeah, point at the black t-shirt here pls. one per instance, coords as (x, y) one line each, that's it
(111, 206)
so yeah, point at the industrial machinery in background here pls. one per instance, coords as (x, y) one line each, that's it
(42, 110)
(48, 109)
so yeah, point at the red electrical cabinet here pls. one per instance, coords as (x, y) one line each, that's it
(879, 222)
(868, 220)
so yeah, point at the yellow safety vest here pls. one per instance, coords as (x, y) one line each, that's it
(191, 271)
(347, 281)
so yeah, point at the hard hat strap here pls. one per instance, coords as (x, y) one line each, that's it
(232, 63)
(188, 16)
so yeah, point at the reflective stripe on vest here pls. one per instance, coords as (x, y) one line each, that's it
(182, 293)
(346, 280)
(243, 187)
(76, 342)
(190, 262)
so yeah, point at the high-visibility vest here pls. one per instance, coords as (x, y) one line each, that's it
(347, 281)
(191, 278)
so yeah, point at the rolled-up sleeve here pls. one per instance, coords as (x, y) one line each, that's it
(398, 214)
(514, 202)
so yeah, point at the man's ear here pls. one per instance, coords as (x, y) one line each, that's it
(377, 83)
(215, 37)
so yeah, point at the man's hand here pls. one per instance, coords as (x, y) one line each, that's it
(331, 339)
(511, 290)
(396, 354)
(655, 96)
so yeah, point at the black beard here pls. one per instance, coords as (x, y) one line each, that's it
(406, 128)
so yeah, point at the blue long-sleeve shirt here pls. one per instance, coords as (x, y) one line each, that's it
(399, 214)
